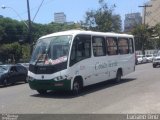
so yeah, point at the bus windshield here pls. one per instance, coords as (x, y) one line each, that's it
(52, 50)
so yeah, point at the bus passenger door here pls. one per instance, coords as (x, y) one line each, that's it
(100, 66)
(80, 58)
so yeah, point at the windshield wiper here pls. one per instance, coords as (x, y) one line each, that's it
(43, 56)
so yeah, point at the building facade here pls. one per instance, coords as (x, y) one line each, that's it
(152, 16)
(59, 17)
(131, 20)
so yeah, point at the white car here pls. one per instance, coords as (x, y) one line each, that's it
(149, 57)
(141, 59)
(156, 60)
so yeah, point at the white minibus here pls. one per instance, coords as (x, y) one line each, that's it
(71, 60)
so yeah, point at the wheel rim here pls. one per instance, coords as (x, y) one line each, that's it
(76, 87)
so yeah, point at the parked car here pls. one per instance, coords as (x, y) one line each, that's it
(141, 59)
(10, 74)
(26, 65)
(156, 60)
(149, 57)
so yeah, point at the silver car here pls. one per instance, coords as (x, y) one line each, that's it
(141, 59)
(156, 60)
(149, 57)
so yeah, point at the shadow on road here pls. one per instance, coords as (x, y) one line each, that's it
(105, 85)
(86, 90)
(11, 85)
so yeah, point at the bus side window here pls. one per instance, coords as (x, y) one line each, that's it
(111, 46)
(98, 44)
(123, 46)
(81, 49)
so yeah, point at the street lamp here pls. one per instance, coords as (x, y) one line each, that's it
(4, 7)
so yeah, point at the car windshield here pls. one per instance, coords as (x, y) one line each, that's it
(52, 50)
(4, 68)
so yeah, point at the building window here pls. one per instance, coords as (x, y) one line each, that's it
(111, 45)
(98, 46)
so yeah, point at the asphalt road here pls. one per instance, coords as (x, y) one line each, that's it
(138, 92)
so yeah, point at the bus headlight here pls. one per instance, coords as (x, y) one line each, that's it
(59, 78)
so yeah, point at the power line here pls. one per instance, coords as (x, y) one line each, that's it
(34, 8)
(38, 10)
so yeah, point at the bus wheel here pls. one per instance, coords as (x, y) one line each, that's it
(118, 76)
(5, 82)
(154, 66)
(77, 86)
(42, 92)
(25, 80)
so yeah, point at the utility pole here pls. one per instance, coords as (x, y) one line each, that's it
(30, 26)
(144, 23)
(145, 7)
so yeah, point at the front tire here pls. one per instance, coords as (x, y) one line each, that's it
(154, 66)
(77, 87)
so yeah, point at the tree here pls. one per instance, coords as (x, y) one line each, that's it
(25, 52)
(102, 19)
(142, 35)
(11, 51)
(156, 36)
(11, 30)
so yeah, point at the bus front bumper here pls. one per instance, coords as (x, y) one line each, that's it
(50, 84)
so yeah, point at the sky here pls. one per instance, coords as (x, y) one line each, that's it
(74, 9)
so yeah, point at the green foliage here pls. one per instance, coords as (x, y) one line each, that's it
(14, 37)
(14, 31)
(156, 36)
(11, 51)
(11, 30)
(143, 37)
(25, 52)
(14, 52)
(102, 19)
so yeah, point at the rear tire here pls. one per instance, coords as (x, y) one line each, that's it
(154, 66)
(42, 92)
(118, 76)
